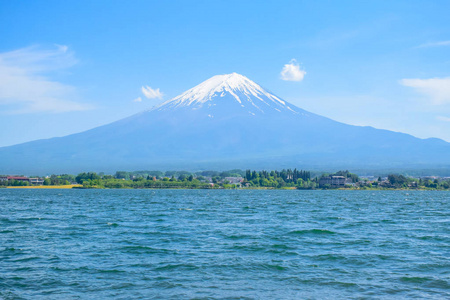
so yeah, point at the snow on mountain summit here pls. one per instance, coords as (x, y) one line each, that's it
(229, 87)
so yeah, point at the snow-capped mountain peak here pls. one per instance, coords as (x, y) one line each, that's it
(228, 88)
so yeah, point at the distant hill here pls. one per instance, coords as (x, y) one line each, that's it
(226, 122)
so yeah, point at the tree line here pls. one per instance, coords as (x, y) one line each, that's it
(286, 178)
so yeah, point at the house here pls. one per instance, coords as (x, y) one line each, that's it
(208, 179)
(36, 181)
(33, 181)
(413, 184)
(19, 178)
(234, 180)
(334, 181)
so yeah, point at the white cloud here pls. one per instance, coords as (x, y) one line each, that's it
(151, 93)
(434, 44)
(138, 99)
(25, 86)
(442, 118)
(436, 89)
(292, 72)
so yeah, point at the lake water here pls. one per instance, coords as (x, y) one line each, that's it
(224, 244)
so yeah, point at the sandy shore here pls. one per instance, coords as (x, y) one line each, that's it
(45, 186)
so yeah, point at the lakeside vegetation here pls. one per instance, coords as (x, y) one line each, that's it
(248, 179)
(200, 180)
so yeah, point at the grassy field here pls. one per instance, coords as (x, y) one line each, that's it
(45, 186)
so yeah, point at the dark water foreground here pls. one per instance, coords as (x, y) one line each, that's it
(224, 244)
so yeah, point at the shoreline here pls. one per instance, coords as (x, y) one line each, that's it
(69, 186)
(80, 187)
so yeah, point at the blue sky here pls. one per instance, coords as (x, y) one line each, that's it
(68, 66)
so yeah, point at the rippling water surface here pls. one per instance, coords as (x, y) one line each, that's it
(224, 244)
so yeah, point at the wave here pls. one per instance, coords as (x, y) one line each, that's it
(313, 231)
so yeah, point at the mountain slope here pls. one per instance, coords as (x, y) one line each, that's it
(225, 122)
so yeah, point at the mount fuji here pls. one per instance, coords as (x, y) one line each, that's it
(226, 122)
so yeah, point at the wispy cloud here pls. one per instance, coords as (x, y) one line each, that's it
(333, 38)
(292, 72)
(442, 118)
(138, 99)
(151, 93)
(434, 44)
(25, 84)
(437, 90)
